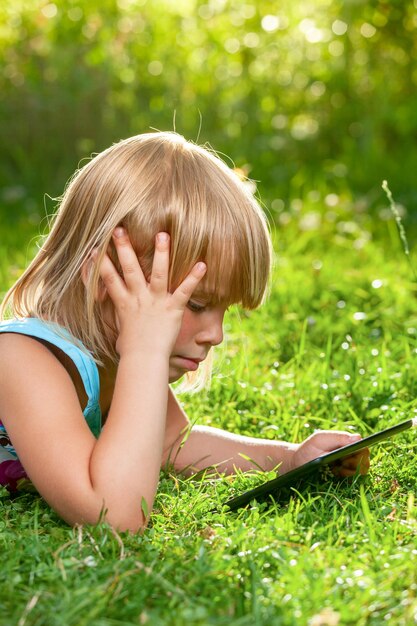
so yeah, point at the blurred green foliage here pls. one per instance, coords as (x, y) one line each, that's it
(317, 95)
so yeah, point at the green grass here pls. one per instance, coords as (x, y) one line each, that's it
(337, 553)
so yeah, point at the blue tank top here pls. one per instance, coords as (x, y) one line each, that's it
(12, 473)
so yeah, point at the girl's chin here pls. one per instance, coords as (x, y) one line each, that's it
(175, 375)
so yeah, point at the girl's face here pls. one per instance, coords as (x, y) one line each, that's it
(201, 328)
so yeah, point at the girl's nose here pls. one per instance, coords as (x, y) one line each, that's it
(212, 333)
(217, 334)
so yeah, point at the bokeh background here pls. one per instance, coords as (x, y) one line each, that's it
(314, 100)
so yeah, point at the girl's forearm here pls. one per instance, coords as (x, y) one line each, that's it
(126, 460)
(206, 446)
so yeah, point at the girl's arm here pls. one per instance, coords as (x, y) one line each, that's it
(116, 475)
(198, 447)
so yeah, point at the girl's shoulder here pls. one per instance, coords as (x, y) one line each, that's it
(32, 340)
(42, 329)
(51, 335)
(20, 344)
(18, 350)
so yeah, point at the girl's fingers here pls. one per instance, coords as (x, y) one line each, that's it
(360, 457)
(356, 463)
(160, 265)
(134, 277)
(329, 440)
(110, 277)
(343, 472)
(132, 271)
(185, 290)
(360, 461)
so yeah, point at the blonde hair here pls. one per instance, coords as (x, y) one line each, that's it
(148, 183)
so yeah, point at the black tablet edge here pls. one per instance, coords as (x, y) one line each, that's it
(302, 470)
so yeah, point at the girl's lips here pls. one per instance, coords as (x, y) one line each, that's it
(188, 363)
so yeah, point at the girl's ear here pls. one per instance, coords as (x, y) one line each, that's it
(86, 269)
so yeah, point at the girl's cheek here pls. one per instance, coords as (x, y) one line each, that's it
(185, 323)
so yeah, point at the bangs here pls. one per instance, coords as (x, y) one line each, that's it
(229, 279)
(227, 230)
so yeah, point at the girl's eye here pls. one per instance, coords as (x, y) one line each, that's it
(195, 307)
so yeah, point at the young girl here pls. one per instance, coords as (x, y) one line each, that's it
(154, 239)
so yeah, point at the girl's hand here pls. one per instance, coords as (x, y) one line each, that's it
(323, 442)
(149, 316)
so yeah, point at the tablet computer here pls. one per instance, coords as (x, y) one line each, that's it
(293, 478)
